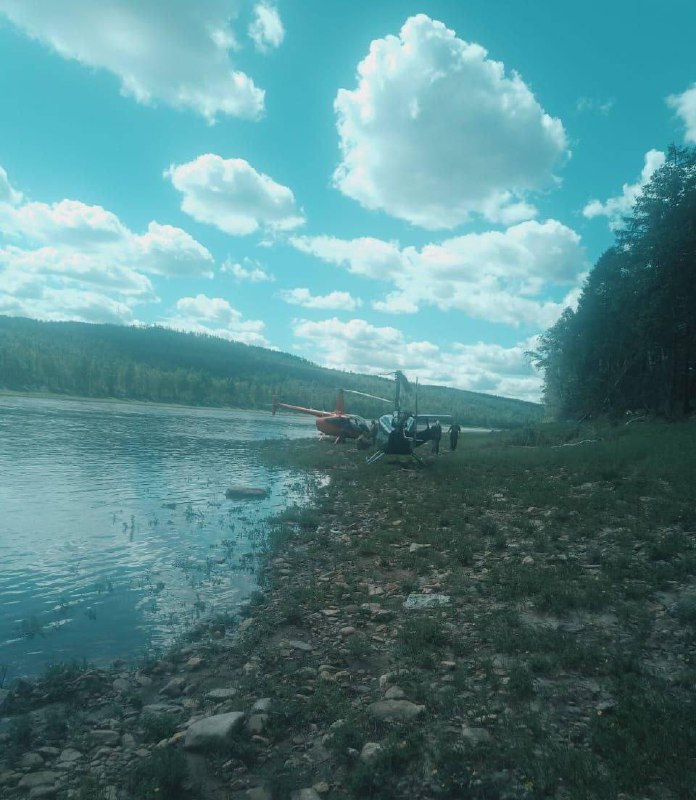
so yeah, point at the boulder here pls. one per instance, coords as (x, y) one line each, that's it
(213, 732)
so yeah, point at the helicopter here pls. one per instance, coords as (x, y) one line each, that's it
(336, 423)
(398, 433)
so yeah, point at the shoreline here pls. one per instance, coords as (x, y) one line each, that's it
(559, 622)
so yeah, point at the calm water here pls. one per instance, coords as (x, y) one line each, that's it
(114, 528)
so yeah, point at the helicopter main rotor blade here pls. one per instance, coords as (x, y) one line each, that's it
(365, 394)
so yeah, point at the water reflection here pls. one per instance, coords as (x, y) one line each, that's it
(114, 529)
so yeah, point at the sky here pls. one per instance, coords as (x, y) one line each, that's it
(370, 185)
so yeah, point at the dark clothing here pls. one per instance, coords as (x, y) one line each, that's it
(436, 435)
(454, 435)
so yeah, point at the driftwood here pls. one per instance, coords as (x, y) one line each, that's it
(245, 491)
(575, 444)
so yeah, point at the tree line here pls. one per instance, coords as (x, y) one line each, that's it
(161, 365)
(631, 343)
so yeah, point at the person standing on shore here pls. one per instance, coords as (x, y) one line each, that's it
(436, 434)
(454, 431)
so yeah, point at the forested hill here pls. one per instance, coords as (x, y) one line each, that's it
(162, 365)
(631, 344)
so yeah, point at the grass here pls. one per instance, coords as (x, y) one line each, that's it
(571, 572)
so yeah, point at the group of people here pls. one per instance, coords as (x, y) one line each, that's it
(436, 435)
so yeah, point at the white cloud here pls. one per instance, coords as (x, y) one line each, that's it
(616, 208)
(248, 271)
(166, 250)
(266, 29)
(342, 301)
(685, 106)
(173, 52)
(594, 104)
(216, 317)
(435, 130)
(500, 276)
(233, 196)
(69, 260)
(358, 346)
(8, 195)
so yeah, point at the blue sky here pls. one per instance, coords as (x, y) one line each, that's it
(420, 185)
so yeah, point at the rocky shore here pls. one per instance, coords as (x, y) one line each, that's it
(501, 624)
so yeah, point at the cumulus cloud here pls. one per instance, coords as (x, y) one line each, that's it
(436, 130)
(361, 347)
(266, 29)
(216, 317)
(343, 301)
(616, 208)
(233, 196)
(177, 53)
(685, 106)
(70, 260)
(248, 271)
(500, 276)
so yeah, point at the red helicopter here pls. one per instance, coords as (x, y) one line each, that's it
(335, 423)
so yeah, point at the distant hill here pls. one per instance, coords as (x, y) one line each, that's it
(161, 365)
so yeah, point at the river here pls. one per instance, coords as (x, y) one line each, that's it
(115, 533)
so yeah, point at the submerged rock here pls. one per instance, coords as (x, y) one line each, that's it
(245, 491)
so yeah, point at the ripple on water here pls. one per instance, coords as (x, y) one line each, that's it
(114, 518)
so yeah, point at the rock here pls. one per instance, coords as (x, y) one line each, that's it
(296, 644)
(475, 735)
(108, 738)
(35, 779)
(258, 793)
(321, 788)
(262, 705)
(256, 724)
(121, 685)
(395, 693)
(418, 601)
(174, 688)
(395, 710)
(414, 548)
(305, 794)
(349, 630)
(43, 791)
(528, 560)
(370, 751)
(49, 752)
(128, 741)
(221, 694)
(31, 761)
(212, 732)
(241, 491)
(195, 662)
(69, 756)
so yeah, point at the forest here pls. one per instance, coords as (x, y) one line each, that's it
(631, 344)
(162, 365)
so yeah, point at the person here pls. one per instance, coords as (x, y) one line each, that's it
(436, 433)
(373, 432)
(454, 431)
